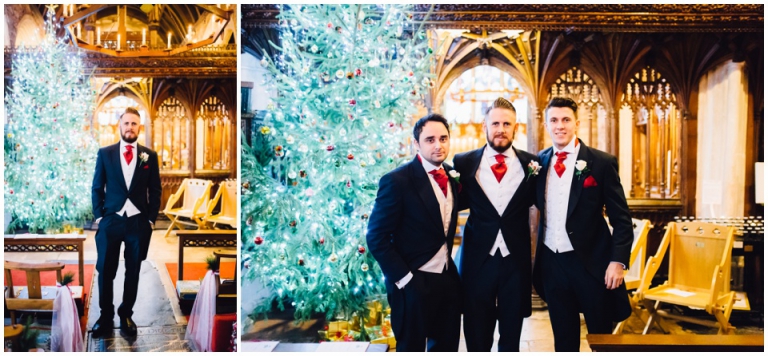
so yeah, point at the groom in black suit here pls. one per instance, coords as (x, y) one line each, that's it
(495, 265)
(410, 234)
(126, 199)
(580, 265)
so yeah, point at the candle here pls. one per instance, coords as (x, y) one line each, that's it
(169, 40)
(189, 33)
(143, 36)
(669, 171)
(118, 41)
(98, 36)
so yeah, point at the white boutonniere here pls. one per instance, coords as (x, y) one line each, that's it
(455, 175)
(144, 157)
(533, 169)
(581, 169)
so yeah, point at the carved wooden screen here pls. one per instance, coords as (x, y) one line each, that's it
(213, 136)
(171, 131)
(655, 136)
(577, 85)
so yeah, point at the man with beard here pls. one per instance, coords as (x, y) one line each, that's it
(126, 199)
(495, 263)
(410, 234)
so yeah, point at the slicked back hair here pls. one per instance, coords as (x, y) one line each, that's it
(501, 103)
(419, 126)
(560, 102)
(131, 110)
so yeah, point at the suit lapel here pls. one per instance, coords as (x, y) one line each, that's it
(136, 167)
(454, 212)
(542, 186)
(524, 163)
(476, 158)
(115, 157)
(426, 193)
(578, 184)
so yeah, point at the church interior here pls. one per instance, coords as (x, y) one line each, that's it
(674, 91)
(177, 65)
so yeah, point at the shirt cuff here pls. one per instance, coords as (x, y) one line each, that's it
(401, 283)
(622, 265)
(97, 221)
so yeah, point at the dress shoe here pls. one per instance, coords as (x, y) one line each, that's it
(127, 326)
(103, 327)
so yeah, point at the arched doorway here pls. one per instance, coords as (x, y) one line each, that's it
(107, 118)
(468, 98)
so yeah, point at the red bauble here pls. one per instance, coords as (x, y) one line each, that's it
(258, 240)
(352, 102)
(293, 223)
(301, 262)
(361, 249)
(350, 157)
(322, 240)
(358, 72)
(329, 148)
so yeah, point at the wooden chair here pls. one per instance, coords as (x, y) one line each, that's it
(699, 275)
(226, 294)
(641, 228)
(196, 193)
(33, 296)
(227, 195)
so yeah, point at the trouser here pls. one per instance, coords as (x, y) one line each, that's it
(494, 294)
(569, 290)
(114, 230)
(426, 313)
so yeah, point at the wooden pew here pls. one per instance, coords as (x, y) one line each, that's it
(675, 343)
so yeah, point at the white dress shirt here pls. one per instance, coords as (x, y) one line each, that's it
(499, 192)
(128, 208)
(557, 193)
(439, 262)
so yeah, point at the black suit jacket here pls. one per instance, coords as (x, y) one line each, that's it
(484, 220)
(108, 192)
(587, 229)
(405, 229)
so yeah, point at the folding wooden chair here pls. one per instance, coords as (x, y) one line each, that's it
(636, 265)
(227, 215)
(33, 296)
(699, 275)
(196, 193)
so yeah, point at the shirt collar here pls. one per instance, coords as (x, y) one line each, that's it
(428, 166)
(569, 148)
(123, 144)
(490, 153)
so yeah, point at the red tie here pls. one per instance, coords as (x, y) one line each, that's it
(128, 154)
(441, 179)
(500, 168)
(559, 166)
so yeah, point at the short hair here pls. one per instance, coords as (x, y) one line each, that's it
(501, 103)
(419, 126)
(561, 102)
(130, 110)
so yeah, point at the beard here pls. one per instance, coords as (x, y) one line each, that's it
(129, 140)
(499, 148)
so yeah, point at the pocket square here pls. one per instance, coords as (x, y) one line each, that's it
(145, 167)
(590, 182)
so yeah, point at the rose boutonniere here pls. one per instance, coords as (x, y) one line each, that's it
(456, 176)
(144, 157)
(581, 169)
(533, 169)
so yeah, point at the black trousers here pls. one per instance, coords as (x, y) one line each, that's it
(114, 230)
(491, 295)
(570, 289)
(426, 313)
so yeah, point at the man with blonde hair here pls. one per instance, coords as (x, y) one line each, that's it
(495, 262)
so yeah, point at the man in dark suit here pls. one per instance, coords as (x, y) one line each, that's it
(410, 234)
(495, 263)
(580, 265)
(126, 199)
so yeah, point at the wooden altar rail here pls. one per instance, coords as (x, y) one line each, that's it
(45, 243)
(674, 343)
(203, 238)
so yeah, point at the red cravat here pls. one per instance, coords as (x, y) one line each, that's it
(559, 166)
(441, 178)
(500, 168)
(128, 154)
